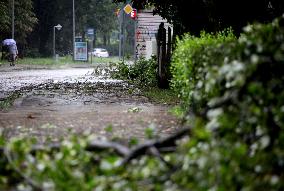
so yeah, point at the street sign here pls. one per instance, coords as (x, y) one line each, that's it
(127, 9)
(78, 39)
(133, 14)
(90, 33)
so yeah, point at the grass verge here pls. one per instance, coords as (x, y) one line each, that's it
(67, 60)
(161, 96)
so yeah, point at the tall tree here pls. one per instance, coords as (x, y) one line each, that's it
(49, 14)
(89, 13)
(4, 19)
(99, 15)
(24, 20)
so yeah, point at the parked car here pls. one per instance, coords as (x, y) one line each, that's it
(100, 52)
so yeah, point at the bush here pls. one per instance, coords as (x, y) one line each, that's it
(142, 73)
(32, 53)
(193, 56)
(237, 141)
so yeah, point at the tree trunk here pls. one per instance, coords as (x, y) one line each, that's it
(105, 40)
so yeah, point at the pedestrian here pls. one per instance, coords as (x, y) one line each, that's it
(9, 51)
(13, 53)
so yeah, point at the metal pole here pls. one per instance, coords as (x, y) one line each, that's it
(123, 32)
(92, 51)
(120, 35)
(135, 31)
(73, 10)
(54, 42)
(13, 19)
(123, 37)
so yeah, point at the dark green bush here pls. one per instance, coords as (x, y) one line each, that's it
(32, 53)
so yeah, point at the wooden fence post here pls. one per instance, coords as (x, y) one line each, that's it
(162, 56)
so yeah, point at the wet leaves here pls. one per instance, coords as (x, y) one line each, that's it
(31, 116)
(134, 110)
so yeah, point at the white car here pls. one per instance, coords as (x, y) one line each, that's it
(100, 52)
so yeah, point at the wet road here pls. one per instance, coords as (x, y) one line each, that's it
(11, 80)
(60, 100)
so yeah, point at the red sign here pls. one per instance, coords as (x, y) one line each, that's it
(133, 14)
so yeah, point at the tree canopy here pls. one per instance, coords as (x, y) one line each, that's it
(212, 15)
(91, 13)
(34, 21)
(24, 19)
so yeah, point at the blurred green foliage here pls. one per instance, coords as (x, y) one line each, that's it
(235, 92)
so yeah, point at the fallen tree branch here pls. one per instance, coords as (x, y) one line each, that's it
(154, 147)
(159, 144)
(94, 145)
(155, 152)
(102, 145)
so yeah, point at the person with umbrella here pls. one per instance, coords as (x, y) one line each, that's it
(9, 50)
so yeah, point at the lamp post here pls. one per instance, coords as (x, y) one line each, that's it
(73, 21)
(58, 27)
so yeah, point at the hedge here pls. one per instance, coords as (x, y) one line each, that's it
(235, 91)
(192, 59)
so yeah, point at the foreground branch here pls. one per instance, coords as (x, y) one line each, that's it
(168, 142)
(153, 147)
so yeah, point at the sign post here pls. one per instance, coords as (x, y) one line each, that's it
(121, 15)
(58, 27)
(91, 36)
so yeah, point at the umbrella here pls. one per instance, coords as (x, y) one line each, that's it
(9, 42)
